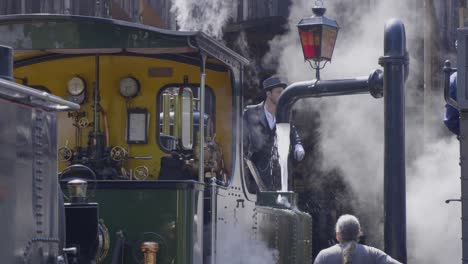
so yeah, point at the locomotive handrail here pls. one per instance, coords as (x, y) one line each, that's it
(58, 104)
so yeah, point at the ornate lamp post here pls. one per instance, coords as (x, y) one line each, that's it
(318, 36)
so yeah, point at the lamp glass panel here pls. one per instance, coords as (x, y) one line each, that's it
(310, 39)
(328, 41)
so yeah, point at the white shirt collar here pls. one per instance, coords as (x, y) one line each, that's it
(270, 118)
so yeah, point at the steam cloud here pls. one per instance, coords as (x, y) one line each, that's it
(434, 226)
(208, 16)
(352, 128)
(242, 247)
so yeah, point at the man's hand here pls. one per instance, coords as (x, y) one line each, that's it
(299, 152)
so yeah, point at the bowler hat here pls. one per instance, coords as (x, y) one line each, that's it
(273, 82)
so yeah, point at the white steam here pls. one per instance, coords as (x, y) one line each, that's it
(208, 16)
(352, 130)
(433, 225)
(241, 247)
(283, 200)
(282, 132)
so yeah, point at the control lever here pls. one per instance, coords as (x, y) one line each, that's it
(253, 170)
(141, 157)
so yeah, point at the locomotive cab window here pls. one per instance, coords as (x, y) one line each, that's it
(178, 117)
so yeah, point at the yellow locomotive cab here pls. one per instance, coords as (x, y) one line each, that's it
(55, 74)
(72, 64)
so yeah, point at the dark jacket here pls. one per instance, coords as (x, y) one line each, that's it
(259, 145)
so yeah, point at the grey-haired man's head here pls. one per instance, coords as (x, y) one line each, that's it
(347, 228)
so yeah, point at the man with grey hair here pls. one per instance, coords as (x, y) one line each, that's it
(348, 251)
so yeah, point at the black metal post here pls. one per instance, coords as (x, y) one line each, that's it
(6, 63)
(395, 61)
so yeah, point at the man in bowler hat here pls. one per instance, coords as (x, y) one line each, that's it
(260, 135)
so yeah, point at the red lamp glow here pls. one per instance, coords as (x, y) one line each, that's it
(318, 36)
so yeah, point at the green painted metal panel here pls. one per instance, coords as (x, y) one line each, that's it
(60, 32)
(284, 227)
(163, 215)
(288, 231)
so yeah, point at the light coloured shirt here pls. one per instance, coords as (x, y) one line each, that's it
(362, 255)
(270, 118)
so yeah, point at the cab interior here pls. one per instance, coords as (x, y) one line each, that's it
(143, 110)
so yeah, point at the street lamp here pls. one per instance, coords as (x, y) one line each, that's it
(318, 36)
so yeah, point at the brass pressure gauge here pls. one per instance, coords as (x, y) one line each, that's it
(76, 90)
(76, 86)
(129, 87)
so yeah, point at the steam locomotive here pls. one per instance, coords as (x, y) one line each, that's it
(148, 148)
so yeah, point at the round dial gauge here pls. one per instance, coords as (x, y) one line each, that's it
(129, 87)
(76, 86)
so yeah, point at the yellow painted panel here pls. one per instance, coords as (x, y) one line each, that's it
(56, 73)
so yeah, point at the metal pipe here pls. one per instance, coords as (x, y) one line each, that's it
(463, 178)
(97, 99)
(106, 127)
(213, 211)
(395, 62)
(321, 88)
(119, 247)
(166, 106)
(6, 63)
(98, 142)
(66, 7)
(201, 129)
(177, 118)
(23, 6)
(21, 92)
(201, 161)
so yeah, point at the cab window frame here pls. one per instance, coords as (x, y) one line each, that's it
(195, 87)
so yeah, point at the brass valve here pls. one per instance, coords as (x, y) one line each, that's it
(150, 250)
